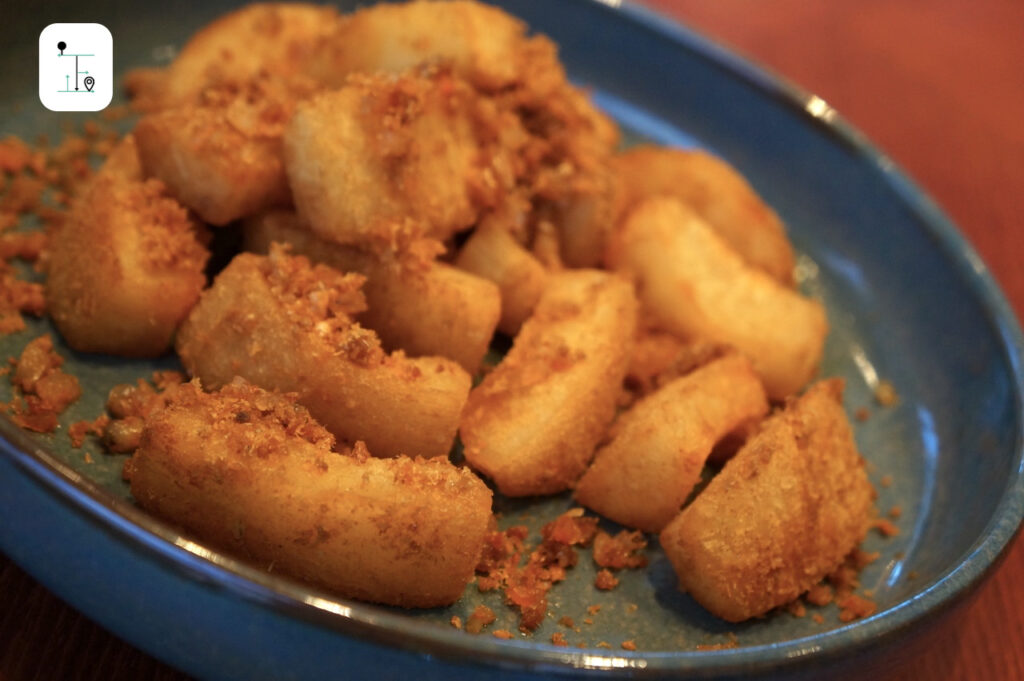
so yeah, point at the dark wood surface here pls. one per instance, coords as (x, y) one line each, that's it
(939, 85)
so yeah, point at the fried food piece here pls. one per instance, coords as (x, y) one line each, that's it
(533, 423)
(402, 531)
(642, 477)
(283, 324)
(222, 156)
(126, 266)
(694, 285)
(492, 253)
(782, 514)
(482, 44)
(424, 308)
(716, 192)
(387, 159)
(267, 41)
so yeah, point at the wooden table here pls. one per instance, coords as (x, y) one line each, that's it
(940, 86)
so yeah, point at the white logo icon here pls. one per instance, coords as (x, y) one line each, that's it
(76, 67)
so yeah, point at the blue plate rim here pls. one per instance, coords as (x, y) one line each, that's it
(291, 599)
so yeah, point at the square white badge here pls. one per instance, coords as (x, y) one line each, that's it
(76, 67)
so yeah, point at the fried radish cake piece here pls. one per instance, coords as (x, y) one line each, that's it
(693, 284)
(716, 192)
(782, 513)
(658, 447)
(222, 155)
(418, 305)
(273, 42)
(387, 159)
(492, 253)
(283, 324)
(126, 266)
(533, 423)
(252, 473)
(482, 44)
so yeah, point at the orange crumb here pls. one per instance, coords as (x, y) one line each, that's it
(25, 245)
(820, 594)
(526, 586)
(862, 414)
(632, 607)
(558, 639)
(604, 644)
(163, 380)
(571, 528)
(605, 580)
(621, 551)
(796, 608)
(502, 634)
(733, 642)
(481, 617)
(78, 430)
(88, 457)
(854, 607)
(45, 389)
(567, 622)
(456, 621)
(886, 481)
(588, 620)
(593, 609)
(818, 619)
(895, 512)
(885, 394)
(885, 527)
(14, 154)
(629, 645)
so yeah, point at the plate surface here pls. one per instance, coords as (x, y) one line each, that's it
(908, 301)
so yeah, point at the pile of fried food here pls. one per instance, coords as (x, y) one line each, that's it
(410, 180)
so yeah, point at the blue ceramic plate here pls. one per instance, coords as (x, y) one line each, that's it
(908, 301)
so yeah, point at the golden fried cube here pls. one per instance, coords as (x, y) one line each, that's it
(252, 473)
(387, 158)
(716, 192)
(283, 324)
(641, 478)
(424, 308)
(533, 423)
(221, 157)
(782, 514)
(492, 253)
(126, 266)
(266, 41)
(692, 283)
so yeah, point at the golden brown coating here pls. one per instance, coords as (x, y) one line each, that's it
(283, 324)
(266, 41)
(387, 159)
(660, 357)
(782, 514)
(222, 155)
(492, 253)
(658, 447)
(716, 192)
(126, 266)
(423, 307)
(692, 283)
(252, 473)
(533, 423)
(484, 45)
